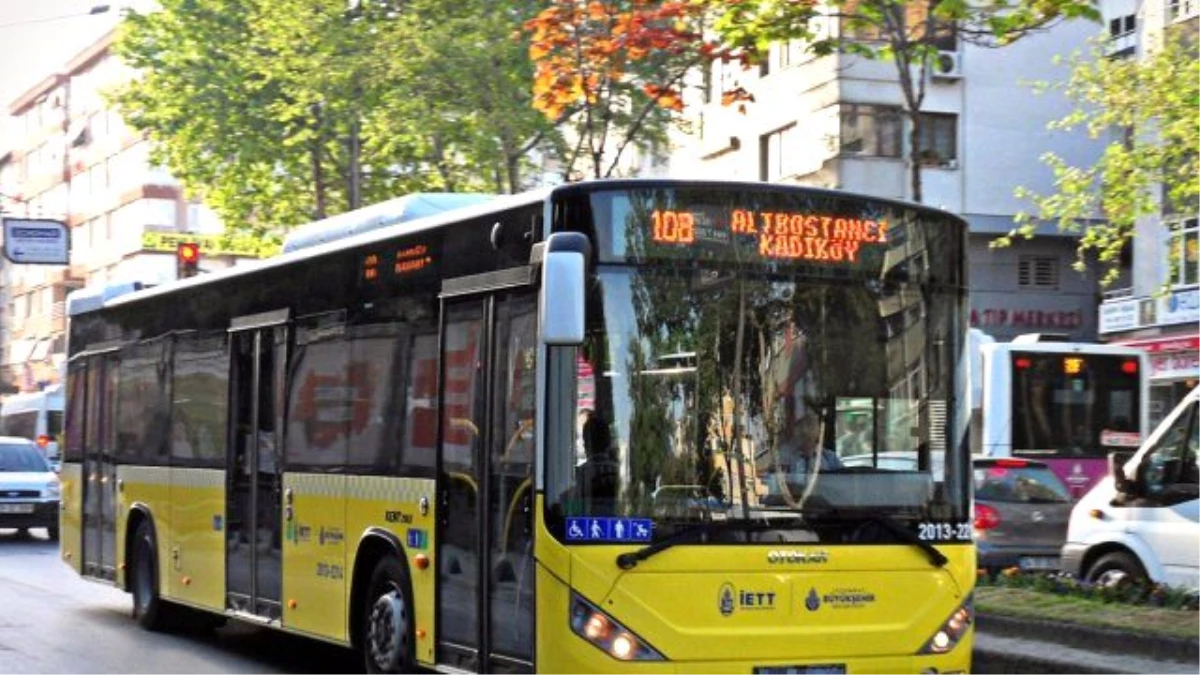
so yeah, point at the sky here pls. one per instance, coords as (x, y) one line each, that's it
(38, 37)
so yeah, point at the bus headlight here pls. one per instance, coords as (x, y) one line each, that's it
(592, 624)
(947, 636)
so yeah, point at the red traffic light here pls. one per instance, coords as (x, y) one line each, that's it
(187, 259)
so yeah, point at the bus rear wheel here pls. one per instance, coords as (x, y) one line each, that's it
(388, 644)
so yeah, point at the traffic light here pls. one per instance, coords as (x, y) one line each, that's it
(187, 259)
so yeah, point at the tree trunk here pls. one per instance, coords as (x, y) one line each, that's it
(914, 157)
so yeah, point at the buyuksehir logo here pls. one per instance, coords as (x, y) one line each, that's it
(813, 600)
(848, 598)
(730, 598)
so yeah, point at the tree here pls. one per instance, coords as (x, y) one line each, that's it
(462, 69)
(277, 112)
(910, 34)
(1152, 109)
(613, 71)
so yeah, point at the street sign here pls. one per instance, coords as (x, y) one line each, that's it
(37, 241)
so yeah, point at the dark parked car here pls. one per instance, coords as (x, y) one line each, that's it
(1021, 514)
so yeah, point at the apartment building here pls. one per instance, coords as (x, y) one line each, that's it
(837, 122)
(1166, 324)
(69, 156)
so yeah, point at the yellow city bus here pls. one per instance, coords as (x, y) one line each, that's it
(588, 428)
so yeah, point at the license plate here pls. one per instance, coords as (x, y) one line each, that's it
(1038, 563)
(812, 668)
(16, 508)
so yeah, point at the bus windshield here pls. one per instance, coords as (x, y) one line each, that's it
(1074, 405)
(757, 385)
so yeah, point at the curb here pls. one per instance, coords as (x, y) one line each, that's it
(1091, 638)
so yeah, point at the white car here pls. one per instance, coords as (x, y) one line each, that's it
(1142, 522)
(29, 488)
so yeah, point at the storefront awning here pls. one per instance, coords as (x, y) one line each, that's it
(1182, 343)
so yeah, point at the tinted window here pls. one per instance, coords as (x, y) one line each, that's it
(54, 423)
(22, 425)
(200, 409)
(1027, 484)
(1072, 404)
(76, 397)
(16, 458)
(143, 412)
(322, 397)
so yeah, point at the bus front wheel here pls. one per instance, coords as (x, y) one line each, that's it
(388, 645)
(147, 605)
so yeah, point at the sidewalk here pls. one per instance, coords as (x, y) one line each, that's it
(1006, 645)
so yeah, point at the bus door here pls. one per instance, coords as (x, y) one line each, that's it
(485, 527)
(100, 469)
(254, 500)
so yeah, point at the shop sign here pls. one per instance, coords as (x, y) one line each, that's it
(1119, 316)
(1016, 317)
(1174, 365)
(1180, 307)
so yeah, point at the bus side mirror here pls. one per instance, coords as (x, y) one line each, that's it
(564, 276)
(1116, 469)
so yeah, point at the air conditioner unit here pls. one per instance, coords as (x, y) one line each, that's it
(947, 66)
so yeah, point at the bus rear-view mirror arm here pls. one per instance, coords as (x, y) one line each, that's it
(564, 277)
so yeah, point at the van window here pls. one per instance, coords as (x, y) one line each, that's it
(54, 423)
(22, 424)
(1172, 460)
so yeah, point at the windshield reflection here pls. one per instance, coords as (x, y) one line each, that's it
(705, 396)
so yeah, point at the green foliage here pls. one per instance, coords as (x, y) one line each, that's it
(278, 112)
(1150, 109)
(1148, 594)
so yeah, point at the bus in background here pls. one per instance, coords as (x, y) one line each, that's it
(561, 431)
(37, 416)
(1068, 404)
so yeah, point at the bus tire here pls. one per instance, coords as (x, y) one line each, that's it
(148, 607)
(1115, 569)
(388, 642)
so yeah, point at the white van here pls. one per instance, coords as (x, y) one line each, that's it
(37, 416)
(1142, 522)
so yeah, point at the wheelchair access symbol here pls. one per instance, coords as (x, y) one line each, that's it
(609, 529)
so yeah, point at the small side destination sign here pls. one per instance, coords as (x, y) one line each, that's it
(610, 529)
(37, 241)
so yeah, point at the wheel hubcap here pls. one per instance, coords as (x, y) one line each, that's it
(1111, 578)
(387, 631)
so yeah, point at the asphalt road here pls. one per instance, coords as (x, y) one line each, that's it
(52, 621)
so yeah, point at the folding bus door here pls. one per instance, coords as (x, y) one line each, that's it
(485, 548)
(253, 537)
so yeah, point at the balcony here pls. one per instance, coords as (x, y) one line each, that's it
(1182, 10)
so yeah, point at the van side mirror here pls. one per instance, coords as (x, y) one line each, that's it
(1116, 469)
(564, 278)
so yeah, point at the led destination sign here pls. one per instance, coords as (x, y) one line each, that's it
(406, 261)
(784, 235)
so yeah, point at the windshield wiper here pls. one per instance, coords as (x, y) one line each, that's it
(901, 532)
(629, 560)
(906, 535)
